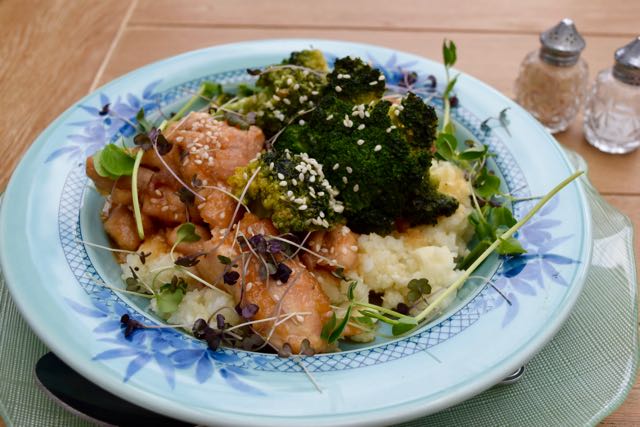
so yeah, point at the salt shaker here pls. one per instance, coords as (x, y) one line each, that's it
(553, 80)
(612, 113)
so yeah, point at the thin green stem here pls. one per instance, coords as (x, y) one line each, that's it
(380, 309)
(507, 234)
(134, 194)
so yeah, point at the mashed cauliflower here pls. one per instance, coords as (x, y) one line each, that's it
(387, 264)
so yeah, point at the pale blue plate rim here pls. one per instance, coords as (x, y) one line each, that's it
(395, 414)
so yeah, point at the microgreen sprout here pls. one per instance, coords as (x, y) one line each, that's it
(502, 121)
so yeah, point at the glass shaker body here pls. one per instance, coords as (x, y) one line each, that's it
(553, 94)
(612, 115)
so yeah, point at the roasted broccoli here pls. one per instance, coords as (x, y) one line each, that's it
(291, 189)
(284, 92)
(377, 155)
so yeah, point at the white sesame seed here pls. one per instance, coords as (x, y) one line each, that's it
(314, 92)
(360, 141)
(289, 81)
(336, 166)
(289, 193)
(381, 77)
(356, 188)
(396, 112)
(349, 170)
(286, 101)
(197, 161)
(276, 97)
(302, 208)
(361, 127)
(377, 147)
(301, 122)
(280, 176)
(294, 181)
(344, 179)
(373, 83)
(346, 76)
(296, 86)
(283, 183)
(338, 89)
(164, 208)
(330, 116)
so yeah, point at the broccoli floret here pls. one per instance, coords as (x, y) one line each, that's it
(354, 81)
(291, 189)
(285, 91)
(376, 155)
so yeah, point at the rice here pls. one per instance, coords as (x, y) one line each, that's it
(386, 264)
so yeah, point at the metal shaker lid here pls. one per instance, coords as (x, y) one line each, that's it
(562, 44)
(627, 66)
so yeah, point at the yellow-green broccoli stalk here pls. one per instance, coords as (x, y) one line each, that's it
(291, 189)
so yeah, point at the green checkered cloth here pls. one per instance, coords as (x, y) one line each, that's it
(578, 379)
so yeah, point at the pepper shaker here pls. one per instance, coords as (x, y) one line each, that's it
(612, 114)
(553, 79)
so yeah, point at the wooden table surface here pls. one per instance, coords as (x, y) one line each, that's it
(52, 52)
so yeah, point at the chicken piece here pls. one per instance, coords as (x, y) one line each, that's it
(300, 294)
(121, 227)
(339, 244)
(104, 185)
(164, 204)
(218, 208)
(212, 148)
(190, 248)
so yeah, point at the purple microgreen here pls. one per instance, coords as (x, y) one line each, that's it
(375, 298)
(130, 325)
(254, 71)
(285, 351)
(258, 243)
(196, 182)
(199, 328)
(186, 196)
(402, 308)
(432, 81)
(306, 349)
(252, 342)
(105, 110)
(231, 277)
(249, 311)
(274, 247)
(454, 101)
(143, 256)
(283, 271)
(220, 321)
(143, 141)
(189, 260)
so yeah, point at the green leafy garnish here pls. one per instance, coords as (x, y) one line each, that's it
(225, 260)
(332, 330)
(418, 288)
(403, 326)
(187, 233)
(170, 296)
(113, 162)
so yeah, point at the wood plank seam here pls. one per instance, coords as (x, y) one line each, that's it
(143, 25)
(112, 46)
